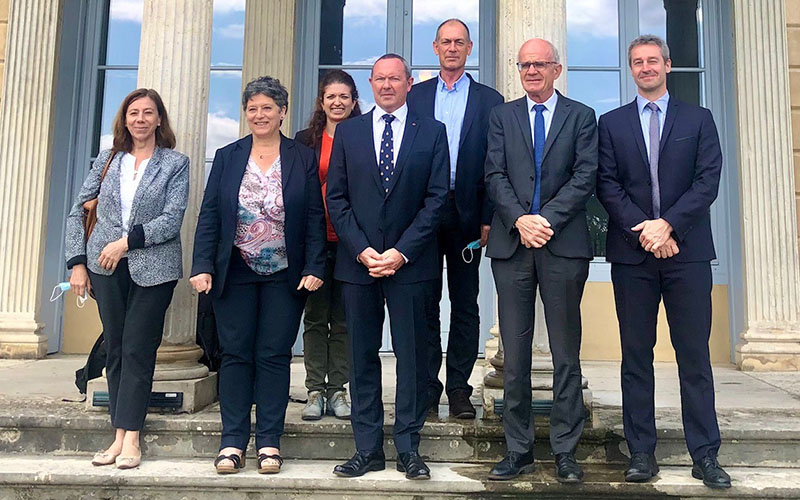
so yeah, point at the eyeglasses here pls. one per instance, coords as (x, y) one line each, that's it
(537, 65)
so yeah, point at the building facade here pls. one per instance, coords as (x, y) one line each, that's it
(66, 64)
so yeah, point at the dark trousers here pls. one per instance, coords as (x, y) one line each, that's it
(560, 281)
(257, 322)
(686, 290)
(364, 310)
(325, 341)
(462, 283)
(133, 324)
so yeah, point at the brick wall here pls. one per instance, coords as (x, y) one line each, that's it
(3, 34)
(793, 34)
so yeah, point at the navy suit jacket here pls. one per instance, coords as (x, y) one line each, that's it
(689, 165)
(406, 218)
(472, 204)
(302, 201)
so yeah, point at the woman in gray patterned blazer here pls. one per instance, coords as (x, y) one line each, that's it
(132, 259)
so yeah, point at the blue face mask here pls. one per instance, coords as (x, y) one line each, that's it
(64, 287)
(474, 245)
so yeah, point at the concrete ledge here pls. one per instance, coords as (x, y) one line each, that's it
(68, 478)
(197, 393)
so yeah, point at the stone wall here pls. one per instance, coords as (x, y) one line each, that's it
(3, 35)
(793, 35)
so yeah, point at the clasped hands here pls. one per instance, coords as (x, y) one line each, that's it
(655, 236)
(534, 230)
(383, 264)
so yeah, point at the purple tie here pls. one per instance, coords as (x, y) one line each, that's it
(655, 143)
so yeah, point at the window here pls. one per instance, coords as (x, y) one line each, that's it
(598, 33)
(352, 34)
(117, 70)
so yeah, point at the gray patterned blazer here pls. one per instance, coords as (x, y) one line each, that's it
(154, 244)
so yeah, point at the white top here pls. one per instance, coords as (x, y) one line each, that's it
(129, 179)
(398, 127)
(550, 107)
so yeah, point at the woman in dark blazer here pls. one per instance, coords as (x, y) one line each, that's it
(259, 249)
(132, 259)
(325, 351)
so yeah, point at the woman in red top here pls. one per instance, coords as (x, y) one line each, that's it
(325, 341)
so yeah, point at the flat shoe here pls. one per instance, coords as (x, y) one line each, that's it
(102, 458)
(128, 462)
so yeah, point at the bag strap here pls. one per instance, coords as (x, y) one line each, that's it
(108, 163)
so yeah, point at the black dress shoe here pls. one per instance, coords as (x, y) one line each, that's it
(413, 465)
(361, 463)
(567, 469)
(460, 405)
(643, 466)
(709, 470)
(512, 466)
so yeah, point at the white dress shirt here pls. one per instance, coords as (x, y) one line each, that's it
(644, 116)
(129, 179)
(398, 127)
(550, 107)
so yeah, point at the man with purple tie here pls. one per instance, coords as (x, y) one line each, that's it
(659, 169)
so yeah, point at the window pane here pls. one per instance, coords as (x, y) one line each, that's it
(352, 32)
(227, 35)
(428, 15)
(592, 33)
(224, 106)
(679, 22)
(124, 33)
(597, 217)
(597, 89)
(115, 85)
(686, 87)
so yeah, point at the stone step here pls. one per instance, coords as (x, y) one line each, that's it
(750, 438)
(72, 478)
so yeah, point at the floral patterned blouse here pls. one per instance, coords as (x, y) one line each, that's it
(260, 235)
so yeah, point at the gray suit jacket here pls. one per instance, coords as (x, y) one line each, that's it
(569, 169)
(154, 254)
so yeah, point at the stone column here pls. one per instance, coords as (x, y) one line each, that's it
(771, 340)
(269, 30)
(26, 129)
(518, 21)
(174, 59)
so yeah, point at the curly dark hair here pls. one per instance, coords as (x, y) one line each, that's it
(318, 119)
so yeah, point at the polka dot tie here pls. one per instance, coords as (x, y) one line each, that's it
(386, 156)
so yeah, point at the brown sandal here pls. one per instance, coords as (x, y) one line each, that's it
(238, 463)
(267, 468)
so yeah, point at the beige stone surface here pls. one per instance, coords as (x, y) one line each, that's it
(174, 59)
(793, 12)
(25, 152)
(269, 31)
(4, 10)
(767, 134)
(3, 39)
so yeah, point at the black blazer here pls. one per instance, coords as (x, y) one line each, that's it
(304, 138)
(569, 170)
(302, 201)
(689, 165)
(472, 204)
(407, 217)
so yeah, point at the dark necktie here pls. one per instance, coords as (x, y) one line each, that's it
(386, 163)
(538, 151)
(655, 144)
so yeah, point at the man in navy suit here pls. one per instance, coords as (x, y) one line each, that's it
(387, 186)
(463, 105)
(659, 168)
